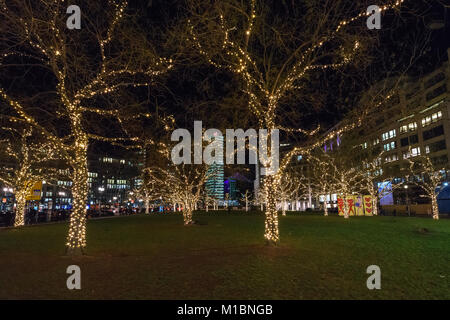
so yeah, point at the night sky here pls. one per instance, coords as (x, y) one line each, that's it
(194, 90)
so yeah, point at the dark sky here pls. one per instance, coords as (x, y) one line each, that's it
(196, 91)
(210, 88)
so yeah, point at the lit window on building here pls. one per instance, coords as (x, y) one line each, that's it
(389, 146)
(403, 129)
(389, 135)
(415, 152)
(64, 183)
(391, 158)
(412, 126)
(431, 118)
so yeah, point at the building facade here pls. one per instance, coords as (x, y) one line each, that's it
(110, 182)
(414, 122)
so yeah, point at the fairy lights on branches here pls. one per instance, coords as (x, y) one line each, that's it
(30, 156)
(431, 179)
(239, 38)
(83, 79)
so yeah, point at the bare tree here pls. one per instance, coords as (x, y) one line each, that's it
(87, 72)
(31, 158)
(320, 179)
(431, 179)
(181, 184)
(287, 189)
(376, 182)
(274, 58)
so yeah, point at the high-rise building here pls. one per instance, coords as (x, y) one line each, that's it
(215, 183)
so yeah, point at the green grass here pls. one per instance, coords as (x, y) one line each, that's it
(156, 257)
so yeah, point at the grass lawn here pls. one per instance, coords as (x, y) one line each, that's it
(156, 257)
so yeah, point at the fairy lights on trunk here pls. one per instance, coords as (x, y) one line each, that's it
(266, 82)
(53, 48)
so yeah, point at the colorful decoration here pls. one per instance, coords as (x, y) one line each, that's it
(359, 206)
(368, 206)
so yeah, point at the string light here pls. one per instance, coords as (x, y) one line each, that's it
(181, 184)
(30, 159)
(264, 93)
(432, 180)
(72, 103)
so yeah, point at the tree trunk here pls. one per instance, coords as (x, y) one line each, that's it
(76, 239)
(20, 207)
(147, 205)
(325, 207)
(434, 207)
(187, 215)
(271, 222)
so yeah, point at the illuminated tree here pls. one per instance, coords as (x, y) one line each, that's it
(247, 197)
(320, 177)
(375, 181)
(31, 158)
(208, 201)
(86, 71)
(274, 58)
(146, 193)
(180, 184)
(344, 176)
(287, 189)
(432, 177)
